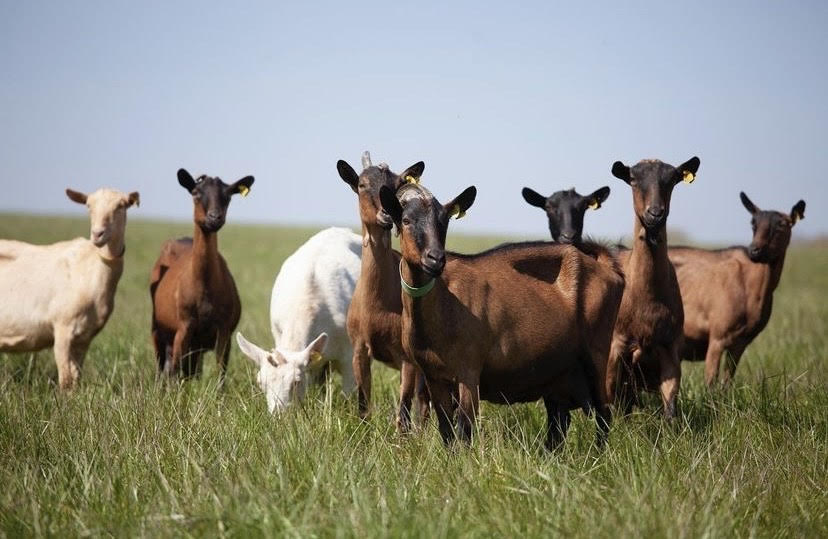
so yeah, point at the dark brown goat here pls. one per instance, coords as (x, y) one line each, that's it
(195, 304)
(648, 332)
(728, 293)
(374, 312)
(565, 211)
(518, 323)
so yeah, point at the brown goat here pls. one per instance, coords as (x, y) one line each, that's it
(728, 293)
(374, 312)
(647, 336)
(518, 323)
(195, 304)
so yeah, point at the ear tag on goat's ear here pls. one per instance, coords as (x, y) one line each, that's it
(412, 179)
(243, 190)
(456, 212)
(315, 357)
(594, 204)
(688, 176)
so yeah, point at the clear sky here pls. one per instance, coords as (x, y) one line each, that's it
(541, 94)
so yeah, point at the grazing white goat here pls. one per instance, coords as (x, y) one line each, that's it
(62, 294)
(309, 302)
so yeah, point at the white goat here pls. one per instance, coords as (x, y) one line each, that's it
(311, 296)
(62, 294)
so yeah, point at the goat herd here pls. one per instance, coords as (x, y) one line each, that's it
(573, 322)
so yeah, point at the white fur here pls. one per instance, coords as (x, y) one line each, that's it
(62, 294)
(310, 297)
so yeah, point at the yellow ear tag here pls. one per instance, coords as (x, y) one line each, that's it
(315, 357)
(455, 211)
(412, 179)
(594, 205)
(243, 190)
(794, 218)
(689, 176)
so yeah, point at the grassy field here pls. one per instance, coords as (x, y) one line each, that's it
(123, 455)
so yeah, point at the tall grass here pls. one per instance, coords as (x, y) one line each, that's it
(124, 455)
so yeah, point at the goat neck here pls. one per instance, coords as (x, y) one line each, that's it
(205, 258)
(379, 261)
(649, 255)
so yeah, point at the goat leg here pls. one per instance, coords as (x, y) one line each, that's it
(557, 420)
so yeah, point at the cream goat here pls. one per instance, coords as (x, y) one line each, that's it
(308, 312)
(62, 294)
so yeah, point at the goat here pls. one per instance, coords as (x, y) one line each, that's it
(283, 373)
(195, 304)
(62, 295)
(565, 211)
(728, 293)
(310, 296)
(647, 336)
(518, 323)
(374, 314)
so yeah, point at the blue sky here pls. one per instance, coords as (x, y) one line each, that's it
(542, 94)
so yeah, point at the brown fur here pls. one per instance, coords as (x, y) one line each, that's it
(374, 313)
(647, 336)
(728, 293)
(196, 305)
(515, 324)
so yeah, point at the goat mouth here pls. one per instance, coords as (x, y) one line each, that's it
(213, 225)
(100, 242)
(433, 270)
(384, 220)
(652, 223)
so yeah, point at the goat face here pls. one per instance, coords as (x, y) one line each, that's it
(652, 183)
(107, 212)
(211, 197)
(283, 375)
(771, 230)
(423, 223)
(368, 184)
(565, 211)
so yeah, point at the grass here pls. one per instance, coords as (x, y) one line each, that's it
(125, 456)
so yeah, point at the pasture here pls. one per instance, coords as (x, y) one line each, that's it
(124, 455)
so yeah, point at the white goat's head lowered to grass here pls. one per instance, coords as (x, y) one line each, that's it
(283, 374)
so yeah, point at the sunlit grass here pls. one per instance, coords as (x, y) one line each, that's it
(124, 455)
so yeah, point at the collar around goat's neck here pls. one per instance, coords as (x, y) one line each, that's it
(416, 291)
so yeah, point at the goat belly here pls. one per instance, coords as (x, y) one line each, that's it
(567, 386)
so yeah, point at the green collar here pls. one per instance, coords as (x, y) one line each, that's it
(413, 291)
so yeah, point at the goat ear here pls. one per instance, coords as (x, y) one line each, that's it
(253, 352)
(317, 348)
(76, 196)
(597, 197)
(461, 202)
(746, 202)
(413, 173)
(689, 168)
(185, 180)
(133, 199)
(621, 171)
(798, 211)
(242, 186)
(390, 204)
(533, 198)
(348, 174)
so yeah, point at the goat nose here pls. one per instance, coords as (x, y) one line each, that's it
(656, 211)
(213, 215)
(436, 257)
(98, 233)
(567, 236)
